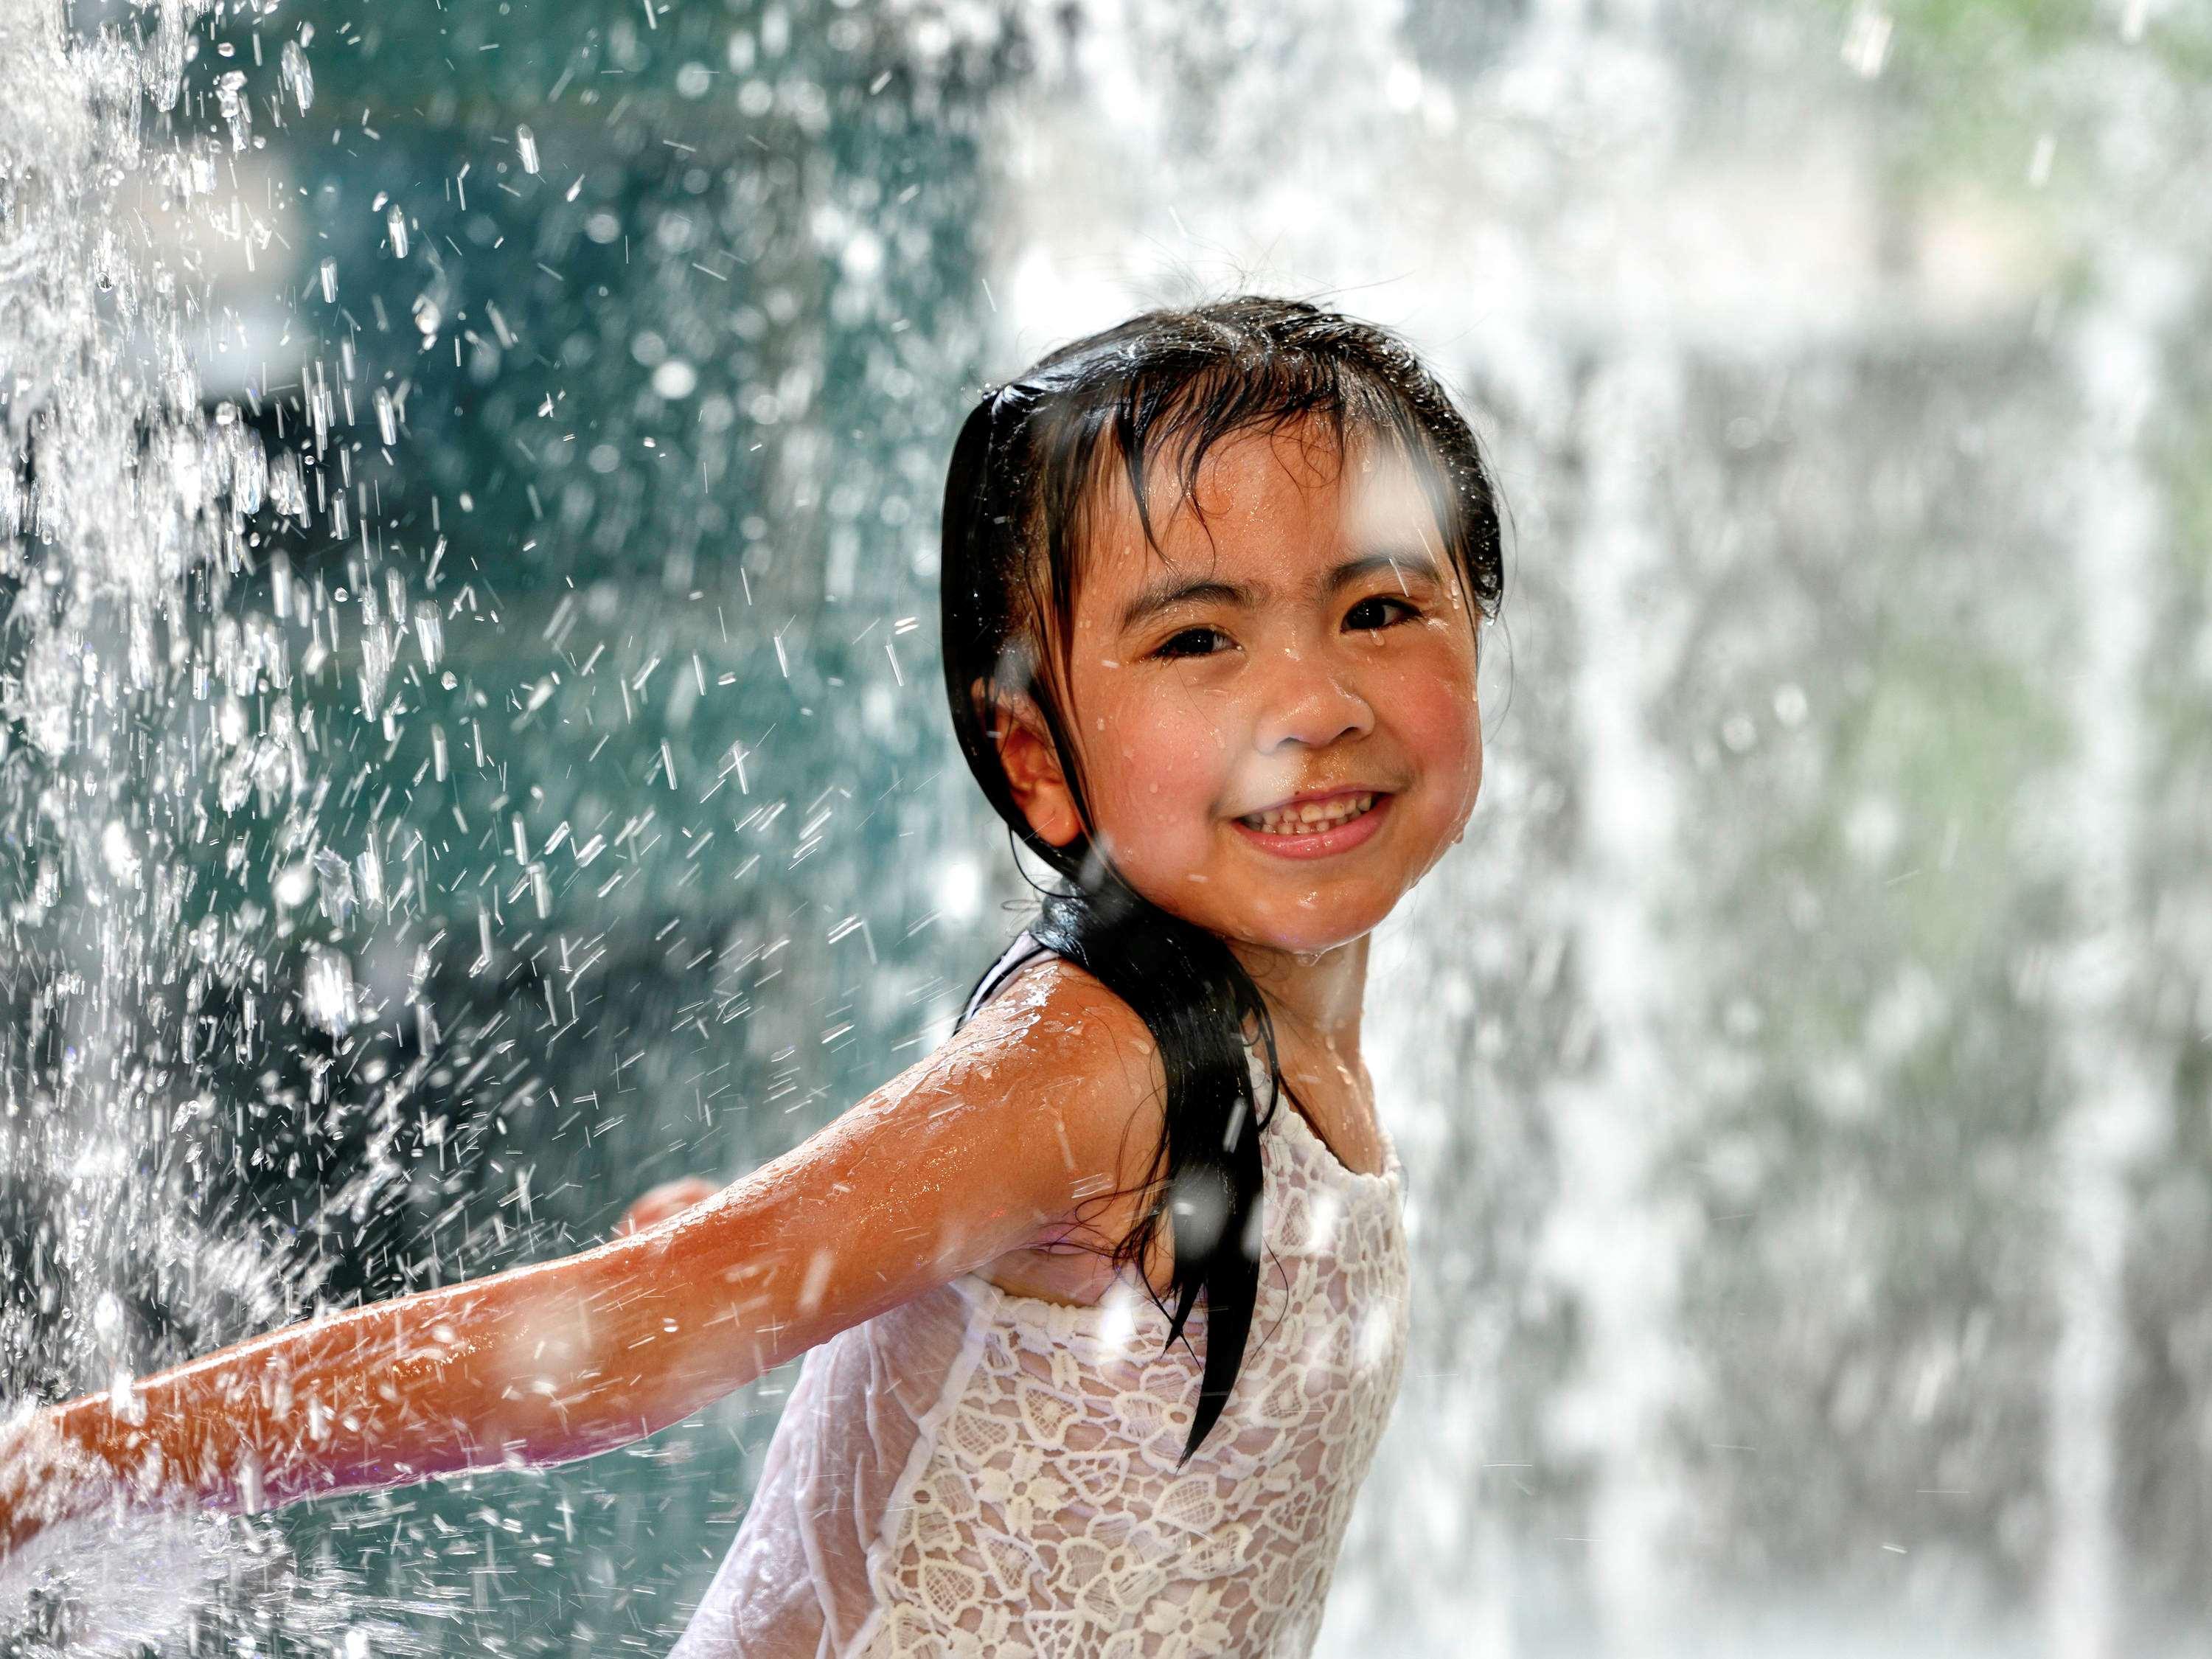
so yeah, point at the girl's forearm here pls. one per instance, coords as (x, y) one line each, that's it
(381, 1394)
(538, 1366)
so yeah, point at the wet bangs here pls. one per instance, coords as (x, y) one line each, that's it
(1151, 427)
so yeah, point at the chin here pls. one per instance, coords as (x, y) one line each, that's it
(1311, 936)
(1282, 925)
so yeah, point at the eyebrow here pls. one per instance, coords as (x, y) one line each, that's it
(1400, 563)
(1168, 592)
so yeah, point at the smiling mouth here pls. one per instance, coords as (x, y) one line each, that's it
(1310, 817)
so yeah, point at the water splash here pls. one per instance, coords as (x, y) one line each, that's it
(145, 726)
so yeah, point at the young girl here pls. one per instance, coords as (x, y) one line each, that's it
(1213, 584)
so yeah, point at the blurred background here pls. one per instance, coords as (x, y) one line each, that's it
(495, 445)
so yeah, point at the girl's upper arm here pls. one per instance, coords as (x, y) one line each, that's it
(987, 1145)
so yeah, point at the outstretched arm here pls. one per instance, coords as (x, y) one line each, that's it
(985, 1146)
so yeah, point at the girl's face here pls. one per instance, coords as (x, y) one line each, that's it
(1276, 711)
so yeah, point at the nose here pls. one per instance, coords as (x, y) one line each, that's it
(1310, 701)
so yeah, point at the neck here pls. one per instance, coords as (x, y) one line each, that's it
(1315, 1000)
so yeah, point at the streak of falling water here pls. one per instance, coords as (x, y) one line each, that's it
(1618, 1243)
(1615, 1244)
(2119, 1114)
(299, 78)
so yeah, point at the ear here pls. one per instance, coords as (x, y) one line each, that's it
(1032, 767)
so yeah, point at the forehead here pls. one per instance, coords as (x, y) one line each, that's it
(1259, 499)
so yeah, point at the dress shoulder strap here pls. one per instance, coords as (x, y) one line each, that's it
(1025, 948)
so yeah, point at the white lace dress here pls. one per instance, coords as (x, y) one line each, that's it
(980, 1473)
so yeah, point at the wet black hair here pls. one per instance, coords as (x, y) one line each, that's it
(1024, 476)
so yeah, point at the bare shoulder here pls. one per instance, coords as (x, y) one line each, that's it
(1090, 1065)
(1052, 1010)
(1054, 1061)
(1059, 1027)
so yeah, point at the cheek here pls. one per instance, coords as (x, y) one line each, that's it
(1157, 758)
(1438, 718)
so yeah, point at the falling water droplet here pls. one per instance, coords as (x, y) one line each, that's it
(299, 79)
(293, 885)
(288, 490)
(119, 855)
(376, 657)
(526, 142)
(329, 272)
(334, 879)
(237, 109)
(395, 221)
(387, 419)
(327, 995)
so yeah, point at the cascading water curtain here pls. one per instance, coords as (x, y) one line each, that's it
(468, 526)
(150, 753)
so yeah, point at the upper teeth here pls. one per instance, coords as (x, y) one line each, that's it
(1309, 816)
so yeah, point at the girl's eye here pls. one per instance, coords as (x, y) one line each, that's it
(1191, 642)
(1410, 609)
